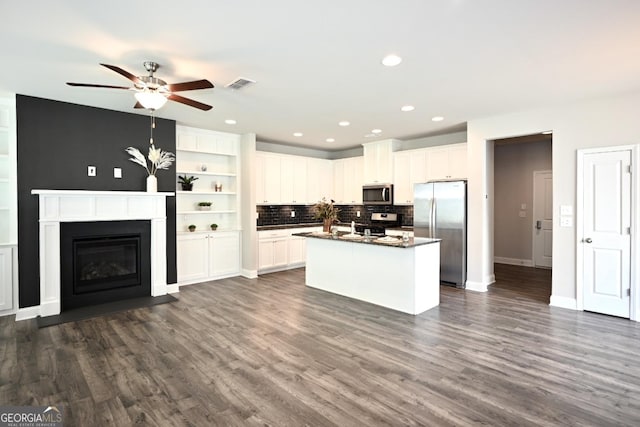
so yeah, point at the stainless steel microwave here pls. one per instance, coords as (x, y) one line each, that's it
(377, 194)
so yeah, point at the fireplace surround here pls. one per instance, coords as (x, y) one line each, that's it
(63, 206)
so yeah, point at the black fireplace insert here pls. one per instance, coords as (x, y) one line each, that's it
(104, 261)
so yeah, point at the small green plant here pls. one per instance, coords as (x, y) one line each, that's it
(186, 182)
(192, 228)
(204, 204)
(214, 227)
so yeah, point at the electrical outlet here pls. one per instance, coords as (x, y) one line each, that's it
(566, 221)
(293, 214)
(117, 173)
(358, 214)
(522, 214)
(91, 171)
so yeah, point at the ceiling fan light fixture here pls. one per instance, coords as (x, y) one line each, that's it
(151, 100)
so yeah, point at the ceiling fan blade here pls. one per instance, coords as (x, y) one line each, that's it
(124, 73)
(189, 102)
(196, 84)
(92, 85)
(138, 105)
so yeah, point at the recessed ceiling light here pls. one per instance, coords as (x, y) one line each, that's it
(437, 118)
(344, 123)
(297, 134)
(547, 132)
(330, 140)
(391, 60)
(230, 122)
(376, 131)
(408, 108)
(370, 135)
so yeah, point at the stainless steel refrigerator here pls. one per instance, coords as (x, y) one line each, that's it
(440, 211)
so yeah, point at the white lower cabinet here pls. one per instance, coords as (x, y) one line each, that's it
(279, 250)
(6, 279)
(207, 256)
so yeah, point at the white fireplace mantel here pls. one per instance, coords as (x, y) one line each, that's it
(58, 206)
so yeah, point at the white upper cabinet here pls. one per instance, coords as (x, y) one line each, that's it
(410, 167)
(286, 179)
(378, 161)
(347, 181)
(447, 162)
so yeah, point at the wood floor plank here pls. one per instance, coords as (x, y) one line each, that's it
(271, 351)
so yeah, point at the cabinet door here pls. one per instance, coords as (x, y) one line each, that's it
(286, 179)
(224, 254)
(299, 179)
(338, 181)
(402, 179)
(192, 257)
(438, 163)
(6, 279)
(458, 161)
(370, 163)
(280, 252)
(265, 254)
(272, 179)
(297, 250)
(353, 180)
(324, 180)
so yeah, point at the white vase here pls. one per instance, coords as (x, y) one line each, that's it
(152, 184)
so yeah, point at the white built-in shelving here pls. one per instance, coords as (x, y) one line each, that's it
(8, 206)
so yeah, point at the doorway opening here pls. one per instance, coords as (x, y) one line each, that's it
(523, 212)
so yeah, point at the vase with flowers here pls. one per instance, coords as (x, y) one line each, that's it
(158, 159)
(327, 212)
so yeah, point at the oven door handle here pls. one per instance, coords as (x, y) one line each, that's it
(384, 190)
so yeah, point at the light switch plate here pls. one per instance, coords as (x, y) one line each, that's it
(117, 173)
(523, 206)
(358, 214)
(566, 221)
(293, 214)
(566, 210)
(91, 171)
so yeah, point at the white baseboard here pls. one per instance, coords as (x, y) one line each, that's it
(476, 286)
(173, 288)
(563, 302)
(28, 313)
(249, 274)
(513, 261)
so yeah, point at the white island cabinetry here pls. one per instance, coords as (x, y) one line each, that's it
(403, 277)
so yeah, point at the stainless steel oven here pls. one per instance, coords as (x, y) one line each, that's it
(378, 194)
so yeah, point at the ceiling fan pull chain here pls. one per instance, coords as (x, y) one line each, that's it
(153, 125)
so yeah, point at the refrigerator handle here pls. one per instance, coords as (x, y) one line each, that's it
(433, 218)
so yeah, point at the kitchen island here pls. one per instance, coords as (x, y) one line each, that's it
(403, 276)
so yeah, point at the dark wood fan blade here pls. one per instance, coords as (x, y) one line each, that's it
(92, 85)
(196, 84)
(189, 102)
(124, 73)
(138, 105)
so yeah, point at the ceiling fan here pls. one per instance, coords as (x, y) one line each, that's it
(151, 92)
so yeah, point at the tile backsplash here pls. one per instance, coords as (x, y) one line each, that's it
(281, 214)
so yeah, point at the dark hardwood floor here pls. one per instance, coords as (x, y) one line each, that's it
(273, 352)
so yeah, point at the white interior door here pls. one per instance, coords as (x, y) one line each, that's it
(542, 218)
(606, 238)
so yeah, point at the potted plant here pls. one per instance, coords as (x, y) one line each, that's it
(192, 228)
(214, 227)
(186, 182)
(327, 212)
(204, 206)
(158, 160)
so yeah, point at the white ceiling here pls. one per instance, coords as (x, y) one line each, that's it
(317, 63)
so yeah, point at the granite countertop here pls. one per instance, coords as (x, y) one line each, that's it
(384, 241)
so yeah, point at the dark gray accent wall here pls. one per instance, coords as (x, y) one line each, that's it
(56, 143)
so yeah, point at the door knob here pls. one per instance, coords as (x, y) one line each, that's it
(588, 240)
(538, 225)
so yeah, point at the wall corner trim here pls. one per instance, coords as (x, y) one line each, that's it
(249, 274)
(476, 286)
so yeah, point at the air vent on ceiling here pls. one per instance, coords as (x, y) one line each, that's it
(239, 83)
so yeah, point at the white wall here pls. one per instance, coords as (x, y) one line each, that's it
(595, 123)
(249, 267)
